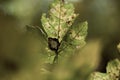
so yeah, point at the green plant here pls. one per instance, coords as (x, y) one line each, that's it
(63, 38)
(60, 33)
(112, 71)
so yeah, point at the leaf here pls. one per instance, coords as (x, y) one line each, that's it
(113, 69)
(113, 72)
(99, 76)
(61, 16)
(75, 37)
(58, 26)
(78, 34)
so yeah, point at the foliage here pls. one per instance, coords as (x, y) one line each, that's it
(112, 71)
(59, 24)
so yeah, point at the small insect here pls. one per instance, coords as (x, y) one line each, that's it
(53, 44)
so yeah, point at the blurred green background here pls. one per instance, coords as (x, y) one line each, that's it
(23, 52)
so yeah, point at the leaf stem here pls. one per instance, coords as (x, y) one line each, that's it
(55, 58)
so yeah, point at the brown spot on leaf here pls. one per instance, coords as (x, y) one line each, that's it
(68, 22)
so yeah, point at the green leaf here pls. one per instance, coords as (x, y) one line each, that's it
(78, 34)
(113, 72)
(75, 37)
(100, 76)
(61, 16)
(58, 24)
(113, 69)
